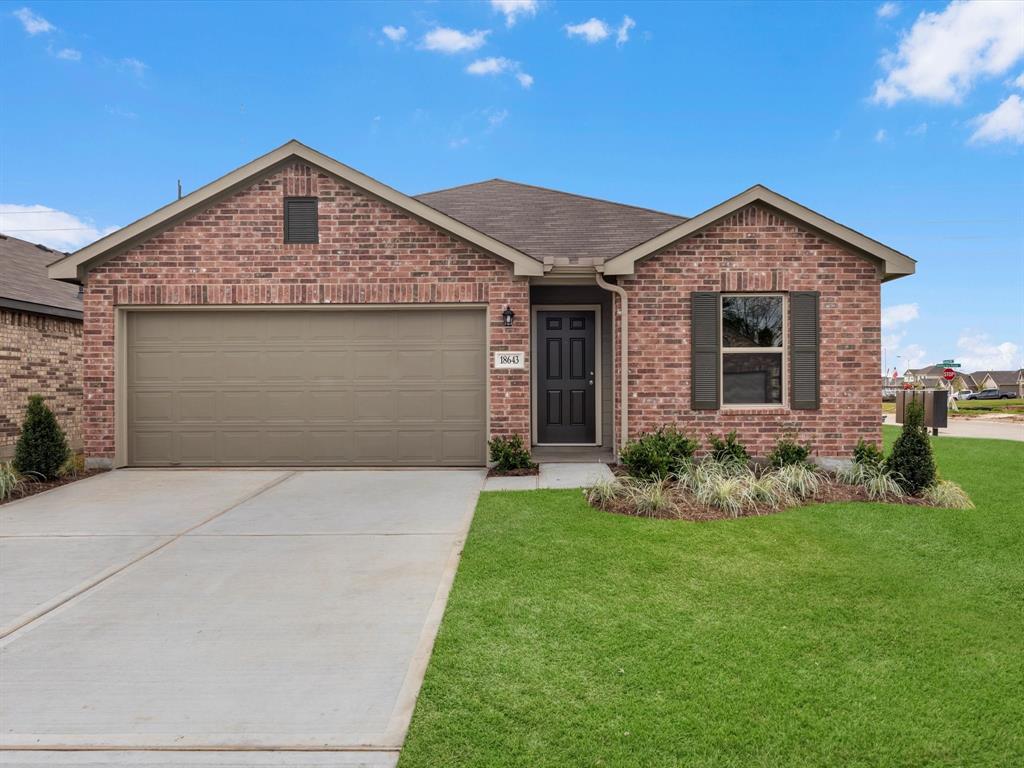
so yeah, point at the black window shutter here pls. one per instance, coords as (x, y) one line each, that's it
(300, 220)
(706, 359)
(804, 347)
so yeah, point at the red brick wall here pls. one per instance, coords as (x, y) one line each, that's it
(369, 253)
(757, 249)
(39, 355)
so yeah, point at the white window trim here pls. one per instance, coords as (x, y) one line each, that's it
(723, 350)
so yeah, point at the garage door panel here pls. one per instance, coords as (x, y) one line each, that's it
(285, 387)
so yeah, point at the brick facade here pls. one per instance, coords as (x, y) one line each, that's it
(756, 249)
(369, 253)
(39, 355)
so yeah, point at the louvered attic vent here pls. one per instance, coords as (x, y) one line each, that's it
(300, 220)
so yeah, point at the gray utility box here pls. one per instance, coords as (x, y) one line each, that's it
(933, 400)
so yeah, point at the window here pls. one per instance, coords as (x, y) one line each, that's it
(753, 334)
(300, 220)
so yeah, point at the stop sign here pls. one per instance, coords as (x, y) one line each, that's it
(948, 374)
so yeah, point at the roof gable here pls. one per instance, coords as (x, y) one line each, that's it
(892, 263)
(74, 267)
(556, 228)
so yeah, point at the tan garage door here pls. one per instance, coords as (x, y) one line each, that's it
(306, 387)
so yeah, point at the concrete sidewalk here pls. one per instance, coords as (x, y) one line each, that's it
(553, 475)
(149, 612)
(965, 426)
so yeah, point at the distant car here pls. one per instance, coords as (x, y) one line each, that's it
(963, 394)
(991, 394)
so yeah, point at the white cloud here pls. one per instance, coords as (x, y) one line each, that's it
(881, 135)
(32, 23)
(136, 67)
(976, 351)
(119, 112)
(496, 65)
(68, 54)
(447, 40)
(887, 10)
(53, 228)
(1018, 81)
(911, 356)
(622, 34)
(899, 314)
(945, 52)
(394, 34)
(491, 66)
(513, 9)
(458, 143)
(1004, 123)
(592, 30)
(918, 130)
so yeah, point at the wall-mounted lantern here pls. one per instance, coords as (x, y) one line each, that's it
(508, 315)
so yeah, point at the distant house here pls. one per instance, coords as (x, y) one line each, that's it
(40, 341)
(1010, 381)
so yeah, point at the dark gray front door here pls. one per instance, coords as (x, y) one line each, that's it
(566, 377)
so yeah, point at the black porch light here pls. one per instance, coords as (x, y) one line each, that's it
(508, 315)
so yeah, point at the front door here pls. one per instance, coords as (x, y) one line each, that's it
(566, 376)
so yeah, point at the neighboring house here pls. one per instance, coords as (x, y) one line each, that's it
(40, 341)
(1009, 381)
(298, 312)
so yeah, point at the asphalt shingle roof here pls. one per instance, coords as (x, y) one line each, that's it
(551, 226)
(23, 278)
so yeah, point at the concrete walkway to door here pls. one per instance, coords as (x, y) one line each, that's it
(155, 617)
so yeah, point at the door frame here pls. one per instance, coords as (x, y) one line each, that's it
(122, 312)
(598, 339)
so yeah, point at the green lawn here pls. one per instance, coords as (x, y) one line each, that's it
(975, 407)
(835, 635)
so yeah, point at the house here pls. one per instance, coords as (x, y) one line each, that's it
(40, 341)
(1009, 381)
(297, 311)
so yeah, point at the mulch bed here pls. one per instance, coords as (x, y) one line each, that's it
(31, 488)
(688, 508)
(528, 472)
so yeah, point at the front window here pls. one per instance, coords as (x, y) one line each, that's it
(753, 334)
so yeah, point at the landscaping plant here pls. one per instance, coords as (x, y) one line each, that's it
(788, 452)
(10, 481)
(656, 455)
(911, 462)
(42, 447)
(799, 480)
(729, 450)
(509, 453)
(867, 453)
(948, 495)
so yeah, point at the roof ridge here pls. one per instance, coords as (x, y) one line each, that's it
(559, 192)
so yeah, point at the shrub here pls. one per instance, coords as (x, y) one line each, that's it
(911, 461)
(799, 480)
(10, 481)
(727, 451)
(603, 492)
(656, 455)
(651, 498)
(948, 495)
(74, 466)
(787, 453)
(42, 447)
(867, 453)
(876, 479)
(509, 453)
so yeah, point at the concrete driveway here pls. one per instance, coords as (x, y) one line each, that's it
(158, 617)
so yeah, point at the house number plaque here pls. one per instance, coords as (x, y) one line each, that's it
(509, 360)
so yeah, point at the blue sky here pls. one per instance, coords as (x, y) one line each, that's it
(903, 120)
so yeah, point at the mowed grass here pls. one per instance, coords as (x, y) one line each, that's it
(975, 407)
(834, 635)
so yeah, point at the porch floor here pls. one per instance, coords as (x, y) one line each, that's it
(572, 454)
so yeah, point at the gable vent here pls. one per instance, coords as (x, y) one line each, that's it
(300, 220)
